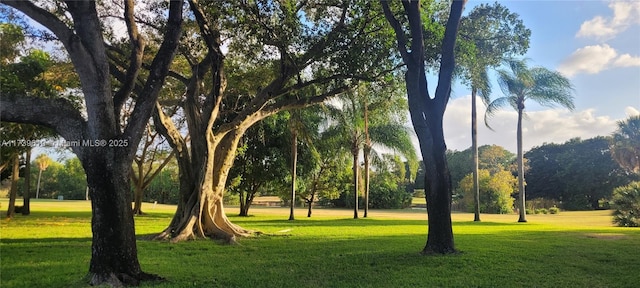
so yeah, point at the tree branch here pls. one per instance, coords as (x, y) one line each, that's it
(58, 114)
(159, 70)
(447, 63)
(401, 38)
(44, 17)
(137, 52)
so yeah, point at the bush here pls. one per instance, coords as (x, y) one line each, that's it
(542, 211)
(554, 210)
(626, 202)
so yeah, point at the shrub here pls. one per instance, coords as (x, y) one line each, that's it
(542, 211)
(626, 205)
(554, 210)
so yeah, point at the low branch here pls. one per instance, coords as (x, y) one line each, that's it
(57, 114)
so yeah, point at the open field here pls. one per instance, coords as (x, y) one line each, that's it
(51, 248)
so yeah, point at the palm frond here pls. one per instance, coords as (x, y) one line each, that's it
(551, 89)
(494, 106)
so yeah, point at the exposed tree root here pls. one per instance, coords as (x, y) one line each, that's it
(120, 279)
(212, 223)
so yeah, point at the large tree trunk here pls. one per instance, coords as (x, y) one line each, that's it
(200, 212)
(474, 144)
(13, 191)
(114, 254)
(521, 207)
(26, 195)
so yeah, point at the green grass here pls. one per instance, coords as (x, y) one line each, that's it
(51, 248)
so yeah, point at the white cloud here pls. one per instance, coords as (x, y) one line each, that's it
(626, 60)
(595, 58)
(546, 126)
(590, 59)
(625, 14)
(631, 111)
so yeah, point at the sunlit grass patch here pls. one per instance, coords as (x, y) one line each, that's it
(51, 248)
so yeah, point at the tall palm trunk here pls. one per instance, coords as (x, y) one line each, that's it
(355, 150)
(474, 144)
(294, 160)
(367, 151)
(522, 207)
(38, 186)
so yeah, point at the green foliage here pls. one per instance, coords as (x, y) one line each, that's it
(625, 144)
(490, 157)
(579, 173)
(541, 211)
(554, 210)
(389, 189)
(495, 192)
(626, 205)
(164, 188)
(489, 34)
(72, 182)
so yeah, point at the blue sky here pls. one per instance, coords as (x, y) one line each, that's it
(594, 43)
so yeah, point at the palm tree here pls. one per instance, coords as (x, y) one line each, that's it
(492, 33)
(366, 121)
(43, 161)
(625, 144)
(519, 83)
(303, 126)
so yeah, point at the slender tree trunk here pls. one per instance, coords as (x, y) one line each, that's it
(137, 199)
(245, 202)
(310, 203)
(15, 176)
(366, 151)
(366, 182)
(474, 143)
(521, 188)
(356, 168)
(38, 186)
(26, 195)
(294, 160)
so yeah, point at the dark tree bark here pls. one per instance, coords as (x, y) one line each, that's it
(427, 115)
(355, 150)
(107, 150)
(26, 195)
(13, 191)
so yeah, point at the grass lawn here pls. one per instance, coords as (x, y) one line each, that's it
(51, 248)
